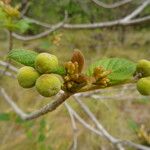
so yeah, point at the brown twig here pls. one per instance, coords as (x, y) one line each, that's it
(47, 108)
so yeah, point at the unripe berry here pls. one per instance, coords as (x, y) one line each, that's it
(48, 85)
(143, 86)
(46, 63)
(143, 67)
(27, 76)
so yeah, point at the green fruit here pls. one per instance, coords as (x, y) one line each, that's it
(48, 85)
(143, 86)
(27, 76)
(143, 67)
(46, 63)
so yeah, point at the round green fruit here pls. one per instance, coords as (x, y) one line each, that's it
(27, 76)
(143, 86)
(143, 67)
(46, 63)
(48, 85)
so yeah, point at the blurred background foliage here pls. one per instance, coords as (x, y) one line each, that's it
(79, 11)
(53, 131)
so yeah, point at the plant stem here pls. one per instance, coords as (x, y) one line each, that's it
(10, 46)
(10, 39)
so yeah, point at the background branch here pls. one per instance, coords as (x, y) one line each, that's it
(9, 74)
(40, 35)
(74, 128)
(24, 7)
(43, 34)
(99, 133)
(10, 46)
(37, 22)
(110, 6)
(99, 130)
(137, 11)
(47, 108)
(80, 26)
(126, 21)
(98, 125)
(4, 64)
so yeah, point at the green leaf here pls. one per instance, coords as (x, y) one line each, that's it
(29, 124)
(133, 125)
(41, 137)
(42, 146)
(10, 25)
(60, 70)
(2, 14)
(143, 100)
(25, 57)
(4, 117)
(29, 134)
(3, 18)
(18, 120)
(122, 69)
(42, 125)
(22, 25)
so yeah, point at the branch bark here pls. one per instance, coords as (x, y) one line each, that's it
(4, 64)
(136, 11)
(128, 20)
(6, 73)
(108, 24)
(10, 46)
(134, 145)
(99, 133)
(84, 123)
(110, 6)
(24, 7)
(74, 128)
(98, 125)
(47, 108)
(81, 26)
(40, 35)
(43, 34)
(37, 22)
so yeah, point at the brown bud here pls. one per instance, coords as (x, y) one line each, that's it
(98, 70)
(76, 67)
(79, 58)
(69, 85)
(67, 78)
(82, 79)
(74, 77)
(70, 67)
(104, 74)
(104, 81)
(6, 1)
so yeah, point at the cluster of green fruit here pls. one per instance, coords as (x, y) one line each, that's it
(41, 76)
(143, 84)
